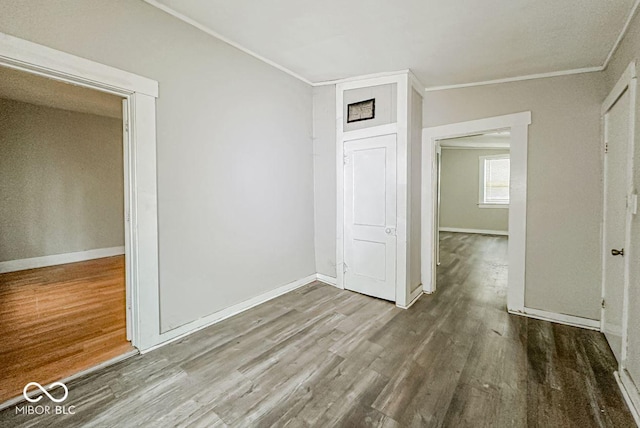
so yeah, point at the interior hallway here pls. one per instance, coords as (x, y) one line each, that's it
(59, 320)
(320, 356)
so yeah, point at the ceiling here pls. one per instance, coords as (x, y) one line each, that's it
(443, 42)
(33, 89)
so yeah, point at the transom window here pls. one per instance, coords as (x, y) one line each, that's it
(494, 181)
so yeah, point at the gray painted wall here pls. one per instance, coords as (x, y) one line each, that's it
(235, 164)
(61, 181)
(629, 50)
(415, 190)
(564, 200)
(459, 181)
(324, 175)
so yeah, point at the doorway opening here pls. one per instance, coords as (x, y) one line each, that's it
(64, 237)
(507, 132)
(472, 210)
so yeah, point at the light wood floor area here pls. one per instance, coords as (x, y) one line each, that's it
(57, 321)
(323, 357)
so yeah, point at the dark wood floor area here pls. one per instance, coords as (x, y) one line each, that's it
(57, 321)
(323, 357)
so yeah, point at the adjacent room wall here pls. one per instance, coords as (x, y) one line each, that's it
(459, 181)
(234, 146)
(564, 200)
(61, 181)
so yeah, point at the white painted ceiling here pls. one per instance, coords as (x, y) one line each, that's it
(33, 89)
(442, 42)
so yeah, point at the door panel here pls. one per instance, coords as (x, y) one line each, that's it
(616, 138)
(370, 216)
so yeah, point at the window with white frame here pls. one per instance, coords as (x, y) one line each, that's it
(494, 181)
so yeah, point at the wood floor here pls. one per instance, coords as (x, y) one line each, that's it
(323, 357)
(60, 320)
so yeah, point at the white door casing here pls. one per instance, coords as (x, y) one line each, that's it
(370, 216)
(518, 123)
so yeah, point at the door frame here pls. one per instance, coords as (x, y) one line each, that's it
(627, 82)
(139, 140)
(404, 81)
(518, 123)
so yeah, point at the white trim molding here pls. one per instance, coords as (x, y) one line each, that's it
(518, 123)
(623, 32)
(228, 41)
(478, 231)
(141, 241)
(59, 259)
(326, 279)
(414, 297)
(629, 392)
(214, 318)
(516, 78)
(557, 318)
(27, 56)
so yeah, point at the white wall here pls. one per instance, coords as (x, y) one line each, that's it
(459, 188)
(61, 181)
(235, 166)
(564, 192)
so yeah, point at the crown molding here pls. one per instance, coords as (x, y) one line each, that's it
(517, 78)
(219, 36)
(623, 33)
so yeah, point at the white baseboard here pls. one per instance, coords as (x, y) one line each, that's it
(326, 279)
(417, 293)
(630, 394)
(559, 318)
(59, 259)
(480, 231)
(189, 328)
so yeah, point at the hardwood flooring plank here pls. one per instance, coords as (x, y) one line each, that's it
(59, 320)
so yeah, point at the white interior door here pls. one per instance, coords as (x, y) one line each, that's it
(616, 134)
(370, 216)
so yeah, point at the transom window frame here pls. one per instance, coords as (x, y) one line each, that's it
(482, 203)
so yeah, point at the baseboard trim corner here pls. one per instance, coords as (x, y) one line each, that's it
(478, 231)
(413, 298)
(327, 279)
(214, 318)
(59, 259)
(630, 396)
(557, 318)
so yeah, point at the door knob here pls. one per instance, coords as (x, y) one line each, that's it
(390, 231)
(615, 252)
